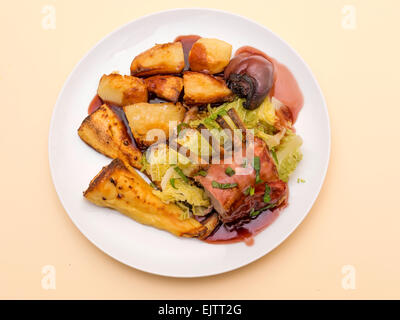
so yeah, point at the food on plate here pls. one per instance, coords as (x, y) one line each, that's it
(187, 44)
(161, 59)
(288, 154)
(122, 90)
(209, 55)
(105, 131)
(251, 77)
(165, 86)
(215, 136)
(124, 190)
(146, 120)
(226, 191)
(285, 91)
(201, 88)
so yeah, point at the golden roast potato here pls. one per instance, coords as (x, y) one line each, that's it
(105, 132)
(124, 190)
(122, 90)
(161, 59)
(165, 86)
(145, 117)
(202, 88)
(209, 55)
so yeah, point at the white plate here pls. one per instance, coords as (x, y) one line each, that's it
(73, 164)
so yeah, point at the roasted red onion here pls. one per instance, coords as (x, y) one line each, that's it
(250, 77)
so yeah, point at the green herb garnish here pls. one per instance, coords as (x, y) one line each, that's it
(202, 173)
(181, 174)
(256, 163)
(249, 191)
(218, 185)
(229, 171)
(244, 164)
(209, 122)
(254, 213)
(214, 115)
(256, 166)
(274, 155)
(267, 194)
(299, 180)
(252, 190)
(172, 182)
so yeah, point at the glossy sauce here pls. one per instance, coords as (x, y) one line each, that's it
(285, 88)
(95, 104)
(187, 44)
(246, 232)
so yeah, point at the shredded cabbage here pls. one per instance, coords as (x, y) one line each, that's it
(195, 142)
(288, 154)
(266, 112)
(159, 159)
(183, 192)
(262, 120)
(159, 163)
(272, 140)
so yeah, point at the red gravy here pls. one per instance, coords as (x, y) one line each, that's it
(246, 232)
(285, 88)
(187, 44)
(95, 104)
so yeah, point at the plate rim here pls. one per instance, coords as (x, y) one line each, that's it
(231, 268)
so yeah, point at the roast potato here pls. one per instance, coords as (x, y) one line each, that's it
(105, 132)
(209, 55)
(143, 117)
(161, 59)
(202, 88)
(124, 190)
(165, 86)
(122, 90)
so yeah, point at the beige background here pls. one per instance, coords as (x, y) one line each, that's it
(355, 220)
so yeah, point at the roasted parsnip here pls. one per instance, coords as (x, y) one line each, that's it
(124, 190)
(105, 132)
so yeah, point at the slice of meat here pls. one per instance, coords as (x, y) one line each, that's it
(244, 205)
(223, 199)
(233, 203)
